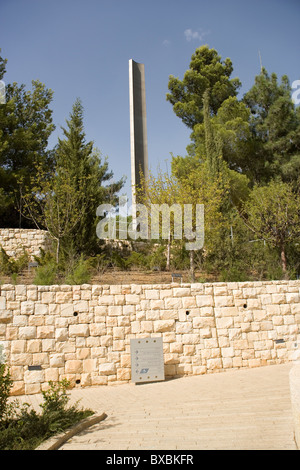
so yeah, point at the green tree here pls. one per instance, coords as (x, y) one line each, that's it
(275, 128)
(92, 182)
(272, 213)
(207, 70)
(25, 127)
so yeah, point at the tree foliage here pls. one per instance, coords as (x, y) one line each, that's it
(207, 71)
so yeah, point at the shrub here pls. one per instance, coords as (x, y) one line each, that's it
(10, 265)
(81, 272)
(22, 428)
(46, 274)
(5, 386)
(136, 260)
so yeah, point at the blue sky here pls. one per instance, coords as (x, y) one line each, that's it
(82, 48)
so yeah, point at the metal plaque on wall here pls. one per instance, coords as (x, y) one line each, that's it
(147, 360)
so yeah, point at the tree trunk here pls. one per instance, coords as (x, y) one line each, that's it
(192, 266)
(168, 253)
(283, 261)
(57, 250)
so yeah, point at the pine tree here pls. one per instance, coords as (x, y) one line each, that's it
(88, 173)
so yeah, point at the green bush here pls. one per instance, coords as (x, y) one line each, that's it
(81, 272)
(158, 259)
(5, 386)
(22, 428)
(46, 274)
(136, 260)
(10, 265)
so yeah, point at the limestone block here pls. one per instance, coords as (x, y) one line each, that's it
(176, 348)
(199, 370)
(153, 315)
(79, 330)
(34, 376)
(188, 350)
(126, 360)
(156, 304)
(225, 322)
(224, 301)
(189, 302)
(295, 308)
(27, 332)
(11, 332)
(221, 290)
(32, 294)
(135, 327)
(51, 375)
(169, 337)
(20, 291)
(292, 298)
(254, 362)
(190, 338)
(34, 346)
(106, 300)
(184, 327)
(181, 291)
(97, 329)
(63, 297)
(107, 368)
(202, 322)
(227, 352)
(18, 346)
(152, 294)
(214, 363)
(172, 303)
(13, 305)
(118, 345)
(204, 300)
(165, 293)
(123, 374)
(132, 299)
(27, 308)
(48, 345)
(6, 316)
(61, 334)
(163, 325)
(171, 358)
(73, 367)
(2, 303)
(118, 332)
(106, 340)
(205, 333)
(226, 311)
(115, 310)
(47, 297)
(45, 332)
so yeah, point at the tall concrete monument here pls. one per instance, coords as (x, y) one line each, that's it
(138, 124)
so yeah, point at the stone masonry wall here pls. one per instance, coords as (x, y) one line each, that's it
(83, 333)
(13, 240)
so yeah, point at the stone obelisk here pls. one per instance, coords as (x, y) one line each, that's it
(138, 125)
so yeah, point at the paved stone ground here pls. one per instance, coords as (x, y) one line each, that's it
(246, 409)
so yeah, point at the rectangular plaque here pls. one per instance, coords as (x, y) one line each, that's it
(147, 360)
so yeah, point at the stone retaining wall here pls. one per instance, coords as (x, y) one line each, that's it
(83, 333)
(13, 240)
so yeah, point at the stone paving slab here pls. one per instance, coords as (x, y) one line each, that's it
(246, 409)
